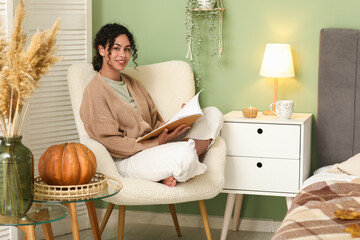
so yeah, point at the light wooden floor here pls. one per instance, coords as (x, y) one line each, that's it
(159, 232)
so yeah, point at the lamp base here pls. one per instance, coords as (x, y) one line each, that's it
(268, 113)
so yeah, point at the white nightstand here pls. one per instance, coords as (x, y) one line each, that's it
(265, 156)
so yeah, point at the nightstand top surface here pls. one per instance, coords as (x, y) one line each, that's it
(296, 118)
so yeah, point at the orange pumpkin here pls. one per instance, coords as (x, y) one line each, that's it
(67, 164)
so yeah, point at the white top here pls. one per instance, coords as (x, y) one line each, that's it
(122, 90)
(296, 118)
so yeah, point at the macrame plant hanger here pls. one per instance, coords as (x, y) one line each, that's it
(218, 6)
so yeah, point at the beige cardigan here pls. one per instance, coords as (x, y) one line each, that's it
(110, 120)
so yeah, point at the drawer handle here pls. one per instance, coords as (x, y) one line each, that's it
(259, 164)
(259, 131)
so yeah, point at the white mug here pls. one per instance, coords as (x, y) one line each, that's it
(284, 108)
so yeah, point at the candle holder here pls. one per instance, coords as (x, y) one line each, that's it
(250, 112)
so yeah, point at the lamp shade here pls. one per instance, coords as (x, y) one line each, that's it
(277, 61)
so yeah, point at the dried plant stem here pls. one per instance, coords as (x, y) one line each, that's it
(11, 182)
(3, 124)
(24, 115)
(16, 117)
(10, 115)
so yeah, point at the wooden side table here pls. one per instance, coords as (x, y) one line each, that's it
(265, 156)
(42, 214)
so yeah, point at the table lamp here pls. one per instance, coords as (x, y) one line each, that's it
(277, 63)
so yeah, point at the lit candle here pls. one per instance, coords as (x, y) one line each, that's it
(250, 112)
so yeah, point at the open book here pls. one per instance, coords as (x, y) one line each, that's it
(187, 115)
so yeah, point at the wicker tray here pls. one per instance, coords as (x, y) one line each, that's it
(98, 183)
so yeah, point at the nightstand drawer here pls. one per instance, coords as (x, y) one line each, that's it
(259, 174)
(262, 140)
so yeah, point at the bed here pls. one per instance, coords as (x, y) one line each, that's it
(336, 184)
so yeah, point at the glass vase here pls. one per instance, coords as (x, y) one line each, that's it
(16, 177)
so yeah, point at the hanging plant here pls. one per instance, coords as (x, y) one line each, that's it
(203, 24)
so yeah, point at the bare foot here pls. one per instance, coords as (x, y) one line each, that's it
(169, 181)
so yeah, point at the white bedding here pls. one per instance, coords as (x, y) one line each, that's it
(321, 174)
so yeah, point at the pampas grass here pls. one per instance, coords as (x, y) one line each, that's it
(21, 71)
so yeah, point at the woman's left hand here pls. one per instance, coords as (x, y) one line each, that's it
(166, 137)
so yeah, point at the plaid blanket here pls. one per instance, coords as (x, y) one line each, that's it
(311, 215)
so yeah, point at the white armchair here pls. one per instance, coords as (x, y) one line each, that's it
(170, 84)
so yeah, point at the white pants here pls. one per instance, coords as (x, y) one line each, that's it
(177, 159)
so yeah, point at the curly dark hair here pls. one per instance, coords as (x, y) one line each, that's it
(106, 35)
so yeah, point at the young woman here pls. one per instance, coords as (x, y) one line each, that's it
(116, 110)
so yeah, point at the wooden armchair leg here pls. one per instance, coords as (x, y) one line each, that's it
(106, 217)
(175, 219)
(121, 222)
(205, 219)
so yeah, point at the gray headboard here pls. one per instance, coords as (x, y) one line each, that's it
(338, 118)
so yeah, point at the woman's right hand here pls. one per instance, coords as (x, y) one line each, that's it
(166, 137)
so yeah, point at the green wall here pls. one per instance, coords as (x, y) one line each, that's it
(232, 82)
